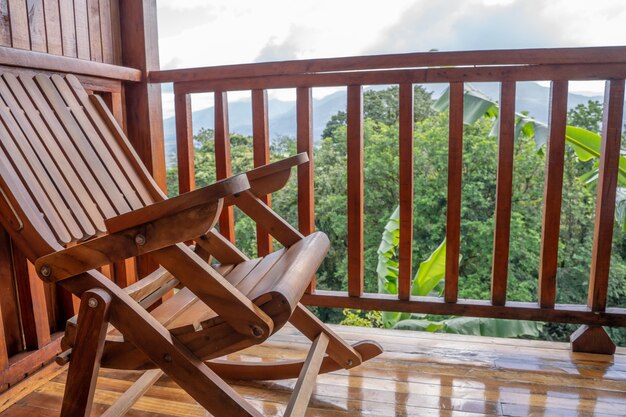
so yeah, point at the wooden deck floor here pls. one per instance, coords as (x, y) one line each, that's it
(420, 374)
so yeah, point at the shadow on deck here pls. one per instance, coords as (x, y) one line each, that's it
(420, 374)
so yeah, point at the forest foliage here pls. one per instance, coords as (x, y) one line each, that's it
(430, 187)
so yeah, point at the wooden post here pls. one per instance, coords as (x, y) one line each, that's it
(355, 190)
(144, 123)
(261, 155)
(222, 160)
(553, 191)
(184, 143)
(455, 173)
(306, 193)
(405, 250)
(504, 186)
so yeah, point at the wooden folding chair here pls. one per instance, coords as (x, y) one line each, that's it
(75, 197)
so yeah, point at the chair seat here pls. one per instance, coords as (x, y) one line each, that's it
(275, 283)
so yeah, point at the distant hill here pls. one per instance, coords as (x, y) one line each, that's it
(531, 97)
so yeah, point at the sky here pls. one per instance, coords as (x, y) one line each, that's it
(195, 33)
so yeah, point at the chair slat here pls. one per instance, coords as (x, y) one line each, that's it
(27, 176)
(67, 146)
(101, 150)
(70, 170)
(46, 156)
(82, 143)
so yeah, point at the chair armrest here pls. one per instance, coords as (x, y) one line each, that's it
(205, 195)
(272, 177)
(143, 231)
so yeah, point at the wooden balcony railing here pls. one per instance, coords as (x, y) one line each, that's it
(455, 68)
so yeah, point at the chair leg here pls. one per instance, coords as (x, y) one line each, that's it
(299, 400)
(85, 361)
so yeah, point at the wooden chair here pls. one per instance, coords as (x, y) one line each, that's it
(75, 197)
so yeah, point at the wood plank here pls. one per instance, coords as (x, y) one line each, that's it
(68, 28)
(5, 24)
(504, 185)
(81, 23)
(116, 32)
(26, 363)
(304, 143)
(126, 401)
(605, 199)
(553, 190)
(54, 40)
(299, 400)
(33, 311)
(106, 32)
(18, 58)
(184, 143)
(4, 353)
(37, 25)
(415, 76)
(12, 331)
(602, 55)
(222, 160)
(95, 36)
(453, 211)
(261, 157)
(561, 313)
(18, 14)
(355, 189)
(405, 245)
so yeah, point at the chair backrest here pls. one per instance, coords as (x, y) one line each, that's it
(64, 158)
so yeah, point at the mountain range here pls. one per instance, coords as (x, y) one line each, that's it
(531, 97)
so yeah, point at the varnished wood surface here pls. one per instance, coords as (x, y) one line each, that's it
(420, 374)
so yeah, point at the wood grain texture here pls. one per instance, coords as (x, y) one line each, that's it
(261, 157)
(355, 189)
(184, 144)
(20, 34)
(68, 28)
(5, 24)
(9, 306)
(453, 211)
(553, 190)
(95, 32)
(54, 39)
(582, 71)
(509, 57)
(303, 389)
(304, 143)
(222, 160)
(36, 25)
(83, 369)
(405, 149)
(504, 185)
(561, 313)
(81, 22)
(605, 199)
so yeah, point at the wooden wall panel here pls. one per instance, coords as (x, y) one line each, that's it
(18, 17)
(36, 25)
(54, 39)
(8, 298)
(68, 28)
(95, 36)
(5, 24)
(81, 21)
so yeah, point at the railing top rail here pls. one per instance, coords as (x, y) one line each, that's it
(547, 56)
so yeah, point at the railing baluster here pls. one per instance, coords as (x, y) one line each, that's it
(306, 197)
(504, 184)
(8, 297)
(405, 251)
(453, 212)
(184, 143)
(355, 190)
(261, 156)
(553, 191)
(605, 199)
(222, 160)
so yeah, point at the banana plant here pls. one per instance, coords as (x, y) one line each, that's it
(586, 144)
(427, 281)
